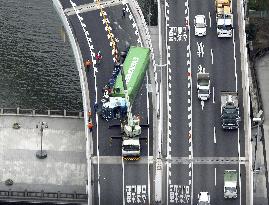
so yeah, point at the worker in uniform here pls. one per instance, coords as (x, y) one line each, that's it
(98, 57)
(90, 126)
(123, 13)
(88, 63)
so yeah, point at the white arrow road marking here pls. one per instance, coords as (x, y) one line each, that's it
(200, 47)
(202, 104)
(200, 68)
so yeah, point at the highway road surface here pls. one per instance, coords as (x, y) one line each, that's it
(198, 149)
(115, 181)
(195, 130)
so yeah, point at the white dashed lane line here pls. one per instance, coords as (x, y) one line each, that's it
(89, 41)
(211, 52)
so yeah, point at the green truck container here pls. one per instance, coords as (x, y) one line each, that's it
(134, 67)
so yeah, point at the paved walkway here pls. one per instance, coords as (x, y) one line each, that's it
(260, 179)
(63, 170)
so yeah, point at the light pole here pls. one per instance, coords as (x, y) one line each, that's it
(41, 154)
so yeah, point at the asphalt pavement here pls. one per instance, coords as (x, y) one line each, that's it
(179, 104)
(112, 181)
(219, 57)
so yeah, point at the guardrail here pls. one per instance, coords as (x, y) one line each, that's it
(41, 113)
(42, 196)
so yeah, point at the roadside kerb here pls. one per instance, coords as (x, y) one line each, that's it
(246, 102)
(85, 92)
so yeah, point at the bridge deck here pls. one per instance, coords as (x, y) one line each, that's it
(64, 170)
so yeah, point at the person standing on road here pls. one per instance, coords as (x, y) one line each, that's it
(90, 126)
(123, 13)
(88, 63)
(98, 57)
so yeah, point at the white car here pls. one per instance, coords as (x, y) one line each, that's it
(203, 198)
(200, 25)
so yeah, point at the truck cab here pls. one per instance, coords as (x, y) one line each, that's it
(225, 26)
(224, 18)
(131, 149)
(229, 110)
(230, 117)
(203, 198)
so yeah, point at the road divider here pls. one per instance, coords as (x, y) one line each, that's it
(215, 140)
(215, 176)
(209, 16)
(213, 98)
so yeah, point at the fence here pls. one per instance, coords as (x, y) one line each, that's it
(42, 196)
(41, 113)
(260, 14)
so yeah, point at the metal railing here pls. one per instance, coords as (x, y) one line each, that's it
(26, 195)
(41, 113)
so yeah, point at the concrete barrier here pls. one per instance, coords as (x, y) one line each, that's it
(246, 102)
(84, 89)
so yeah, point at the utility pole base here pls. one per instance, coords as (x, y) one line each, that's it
(41, 155)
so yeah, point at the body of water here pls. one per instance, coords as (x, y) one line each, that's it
(37, 69)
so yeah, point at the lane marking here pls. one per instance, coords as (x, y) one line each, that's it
(215, 140)
(200, 48)
(123, 182)
(215, 176)
(209, 19)
(213, 95)
(239, 168)
(148, 139)
(235, 71)
(89, 41)
(168, 78)
(190, 81)
(211, 52)
(108, 29)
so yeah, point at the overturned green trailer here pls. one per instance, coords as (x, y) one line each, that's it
(134, 67)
